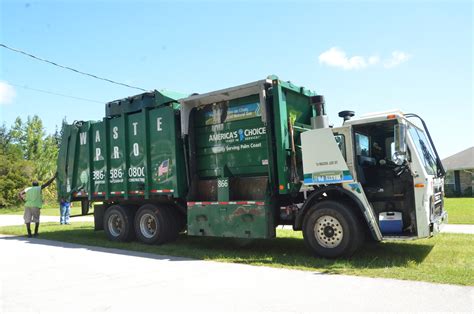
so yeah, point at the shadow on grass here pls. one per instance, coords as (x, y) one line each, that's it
(292, 252)
(289, 252)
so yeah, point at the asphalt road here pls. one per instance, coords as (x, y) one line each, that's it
(42, 275)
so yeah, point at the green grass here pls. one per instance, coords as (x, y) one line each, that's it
(45, 211)
(446, 258)
(460, 210)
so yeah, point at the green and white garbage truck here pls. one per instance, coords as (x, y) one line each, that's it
(241, 161)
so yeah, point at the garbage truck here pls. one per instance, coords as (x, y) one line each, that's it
(241, 161)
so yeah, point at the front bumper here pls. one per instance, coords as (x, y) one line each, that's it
(439, 222)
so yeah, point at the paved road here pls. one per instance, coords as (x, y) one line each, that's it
(467, 229)
(42, 275)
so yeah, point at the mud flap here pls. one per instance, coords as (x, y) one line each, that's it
(99, 211)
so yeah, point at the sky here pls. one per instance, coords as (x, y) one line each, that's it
(416, 56)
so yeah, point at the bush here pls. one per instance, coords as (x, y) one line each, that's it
(15, 175)
(467, 192)
(449, 190)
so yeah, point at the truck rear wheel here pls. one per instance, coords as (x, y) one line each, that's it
(118, 223)
(331, 229)
(153, 224)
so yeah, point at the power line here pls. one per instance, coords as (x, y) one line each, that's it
(57, 94)
(69, 68)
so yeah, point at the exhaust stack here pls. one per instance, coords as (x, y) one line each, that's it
(320, 120)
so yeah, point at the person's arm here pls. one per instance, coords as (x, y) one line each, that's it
(21, 195)
(45, 185)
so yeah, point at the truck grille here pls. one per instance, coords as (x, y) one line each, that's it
(438, 201)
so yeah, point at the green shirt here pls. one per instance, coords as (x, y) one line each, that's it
(34, 197)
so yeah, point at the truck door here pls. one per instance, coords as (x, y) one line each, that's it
(388, 186)
(343, 138)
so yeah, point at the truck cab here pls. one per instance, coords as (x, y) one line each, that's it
(388, 164)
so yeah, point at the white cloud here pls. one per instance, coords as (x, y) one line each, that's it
(7, 93)
(337, 57)
(398, 57)
(374, 60)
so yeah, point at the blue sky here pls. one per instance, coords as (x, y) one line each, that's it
(364, 56)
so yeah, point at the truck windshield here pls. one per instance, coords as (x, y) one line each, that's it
(424, 149)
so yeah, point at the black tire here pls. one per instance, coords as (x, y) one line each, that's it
(331, 229)
(152, 224)
(118, 223)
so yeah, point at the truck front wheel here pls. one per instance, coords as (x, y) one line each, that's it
(331, 229)
(118, 223)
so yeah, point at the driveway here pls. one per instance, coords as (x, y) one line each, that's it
(466, 229)
(42, 275)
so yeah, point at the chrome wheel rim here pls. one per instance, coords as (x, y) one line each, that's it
(115, 225)
(328, 232)
(148, 225)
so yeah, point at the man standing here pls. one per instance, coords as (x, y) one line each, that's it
(33, 202)
(64, 207)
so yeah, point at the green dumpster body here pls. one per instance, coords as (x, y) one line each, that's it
(243, 163)
(230, 158)
(135, 152)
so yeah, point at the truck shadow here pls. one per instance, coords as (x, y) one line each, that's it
(293, 252)
(283, 251)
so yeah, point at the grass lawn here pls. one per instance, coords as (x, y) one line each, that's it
(460, 210)
(46, 211)
(446, 258)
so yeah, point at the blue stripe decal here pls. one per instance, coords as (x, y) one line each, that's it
(312, 181)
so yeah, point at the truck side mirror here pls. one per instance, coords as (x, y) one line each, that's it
(400, 135)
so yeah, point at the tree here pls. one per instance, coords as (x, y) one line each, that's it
(15, 174)
(29, 136)
(4, 138)
(26, 154)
